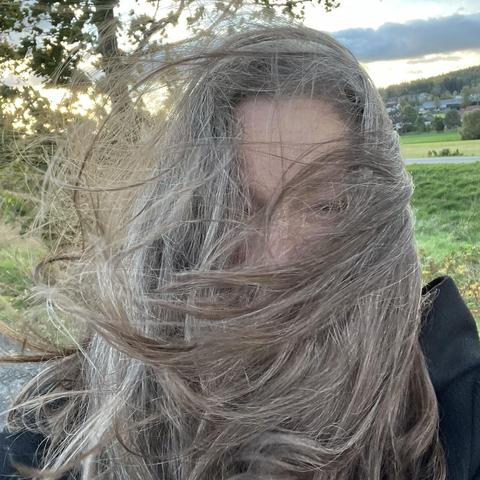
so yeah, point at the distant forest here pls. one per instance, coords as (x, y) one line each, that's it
(443, 85)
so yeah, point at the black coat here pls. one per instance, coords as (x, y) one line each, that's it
(450, 342)
(451, 345)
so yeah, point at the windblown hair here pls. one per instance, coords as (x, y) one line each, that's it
(198, 364)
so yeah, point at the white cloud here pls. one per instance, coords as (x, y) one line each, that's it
(385, 73)
(414, 38)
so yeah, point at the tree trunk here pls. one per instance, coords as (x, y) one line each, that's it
(116, 78)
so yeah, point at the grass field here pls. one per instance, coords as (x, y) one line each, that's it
(420, 150)
(417, 145)
(429, 137)
(18, 256)
(446, 202)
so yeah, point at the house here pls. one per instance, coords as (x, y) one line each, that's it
(392, 105)
(442, 104)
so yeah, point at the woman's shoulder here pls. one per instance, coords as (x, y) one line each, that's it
(449, 335)
(451, 345)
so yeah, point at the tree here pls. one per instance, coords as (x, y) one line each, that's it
(52, 38)
(471, 126)
(466, 93)
(408, 114)
(436, 89)
(45, 34)
(50, 33)
(438, 124)
(445, 94)
(452, 119)
(420, 124)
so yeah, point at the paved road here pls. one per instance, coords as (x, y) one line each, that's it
(443, 160)
(13, 376)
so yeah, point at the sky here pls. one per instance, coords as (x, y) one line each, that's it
(395, 40)
(402, 40)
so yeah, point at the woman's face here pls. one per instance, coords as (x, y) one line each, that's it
(275, 134)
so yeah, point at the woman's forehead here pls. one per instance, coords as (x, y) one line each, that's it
(277, 132)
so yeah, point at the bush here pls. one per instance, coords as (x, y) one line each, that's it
(407, 128)
(471, 126)
(445, 152)
(452, 119)
(464, 267)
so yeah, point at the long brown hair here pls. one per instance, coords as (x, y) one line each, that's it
(196, 365)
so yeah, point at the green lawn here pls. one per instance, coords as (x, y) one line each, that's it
(429, 137)
(417, 145)
(446, 203)
(419, 150)
(18, 257)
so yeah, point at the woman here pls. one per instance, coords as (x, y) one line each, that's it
(255, 310)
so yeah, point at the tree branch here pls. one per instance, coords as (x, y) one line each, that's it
(159, 24)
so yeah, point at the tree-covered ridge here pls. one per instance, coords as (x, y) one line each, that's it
(444, 85)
